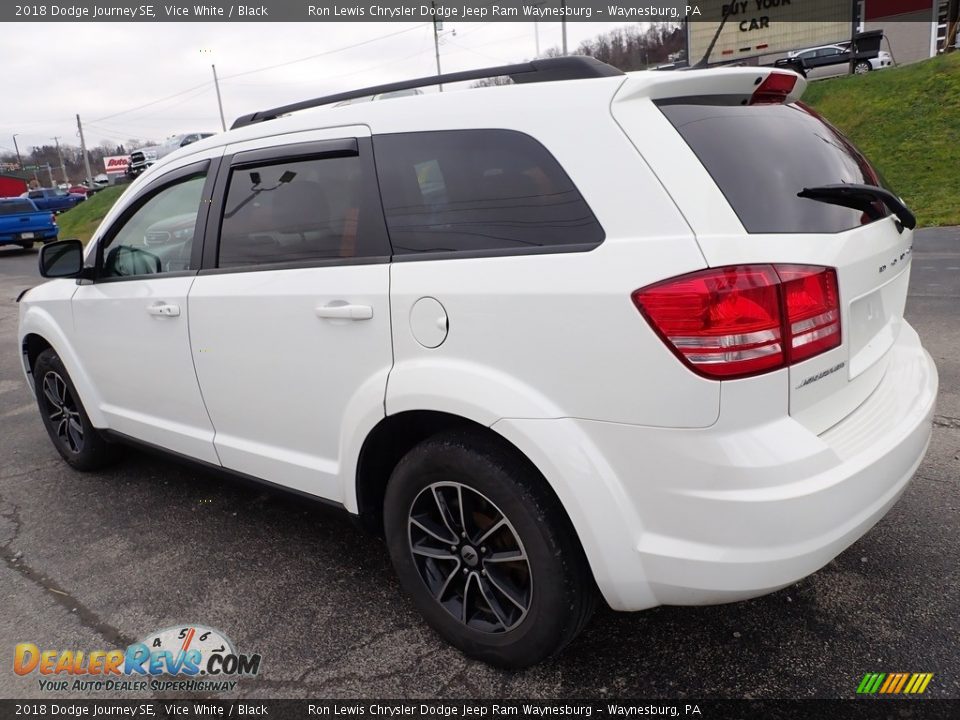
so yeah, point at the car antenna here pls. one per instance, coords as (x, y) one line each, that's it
(723, 21)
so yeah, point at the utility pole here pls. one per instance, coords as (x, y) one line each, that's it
(63, 168)
(36, 165)
(563, 24)
(17, 148)
(53, 183)
(436, 39)
(853, 35)
(216, 84)
(83, 150)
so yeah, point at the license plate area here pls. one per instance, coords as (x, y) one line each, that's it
(874, 323)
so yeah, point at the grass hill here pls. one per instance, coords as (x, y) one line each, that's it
(80, 221)
(907, 121)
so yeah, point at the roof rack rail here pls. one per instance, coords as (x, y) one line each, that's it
(575, 67)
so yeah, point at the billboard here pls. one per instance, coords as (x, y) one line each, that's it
(115, 164)
(764, 27)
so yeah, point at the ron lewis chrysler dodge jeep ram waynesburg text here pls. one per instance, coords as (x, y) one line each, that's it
(592, 334)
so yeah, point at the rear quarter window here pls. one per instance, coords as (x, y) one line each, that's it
(16, 207)
(482, 192)
(761, 156)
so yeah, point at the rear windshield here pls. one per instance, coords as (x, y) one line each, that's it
(761, 156)
(16, 207)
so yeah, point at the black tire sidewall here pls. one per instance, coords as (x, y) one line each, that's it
(553, 558)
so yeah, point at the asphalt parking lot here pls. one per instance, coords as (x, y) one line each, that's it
(96, 561)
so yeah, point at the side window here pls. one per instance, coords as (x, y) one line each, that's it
(35, 194)
(294, 211)
(158, 237)
(478, 191)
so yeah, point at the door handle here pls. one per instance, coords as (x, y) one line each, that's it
(164, 309)
(345, 312)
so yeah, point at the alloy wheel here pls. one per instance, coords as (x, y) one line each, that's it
(62, 412)
(470, 557)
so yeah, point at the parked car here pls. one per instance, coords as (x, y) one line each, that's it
(143, 158)
(669, 365)
(21, 223)
(803, 61)
(53, 199)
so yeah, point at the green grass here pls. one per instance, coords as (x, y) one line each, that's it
(907, 121)
(82, 220)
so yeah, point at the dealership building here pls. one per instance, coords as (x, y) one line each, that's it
(913, 29)
(753, 32)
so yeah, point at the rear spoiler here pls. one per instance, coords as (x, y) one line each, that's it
(719, 86)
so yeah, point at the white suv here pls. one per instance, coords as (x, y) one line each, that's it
(637, 333)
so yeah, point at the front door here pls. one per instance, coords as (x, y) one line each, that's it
(131, 322)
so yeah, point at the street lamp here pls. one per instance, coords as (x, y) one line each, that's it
(17, 148)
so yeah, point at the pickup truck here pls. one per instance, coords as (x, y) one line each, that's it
(53, 199)
(22, 224)
(143, 158)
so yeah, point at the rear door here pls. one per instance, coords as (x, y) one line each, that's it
(735, 170)
(289, 317)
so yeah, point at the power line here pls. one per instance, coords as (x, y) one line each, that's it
(323, 54)
(152, 102)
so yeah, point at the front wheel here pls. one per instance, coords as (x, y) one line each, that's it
(862, 67)
(485, 551)
(67, 424)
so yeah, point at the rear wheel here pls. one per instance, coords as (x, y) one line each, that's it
(25, 245)
(488, 556)
(862, 67)
(67, 424)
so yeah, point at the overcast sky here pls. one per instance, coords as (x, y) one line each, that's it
(105, 72)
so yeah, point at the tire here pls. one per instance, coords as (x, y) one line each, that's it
(64, 417)
(862, 67)
(26, 245)
(519, 544)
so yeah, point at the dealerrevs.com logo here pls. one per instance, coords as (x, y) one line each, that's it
(184, 658)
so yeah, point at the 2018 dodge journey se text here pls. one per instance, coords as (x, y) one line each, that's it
(637, 337)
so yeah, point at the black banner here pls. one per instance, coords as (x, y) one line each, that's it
(708, 11)
(919, 709)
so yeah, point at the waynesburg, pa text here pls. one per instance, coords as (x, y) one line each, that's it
(471, 12)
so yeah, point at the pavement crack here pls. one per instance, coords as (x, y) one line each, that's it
(14, 559)
(946, 422)
(30, 471)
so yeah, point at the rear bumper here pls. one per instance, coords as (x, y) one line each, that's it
(744, 507)
(38, 235)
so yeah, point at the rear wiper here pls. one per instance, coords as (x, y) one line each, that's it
(861, 197)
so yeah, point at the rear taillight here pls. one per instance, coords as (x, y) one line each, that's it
(742, 320)
(813, 309)
(774, 89)
(53, 218)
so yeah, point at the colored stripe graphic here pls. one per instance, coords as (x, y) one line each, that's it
(894, 683)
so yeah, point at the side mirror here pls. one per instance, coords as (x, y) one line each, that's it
(62, 259)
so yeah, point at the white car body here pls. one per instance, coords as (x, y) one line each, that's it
(681, 489)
